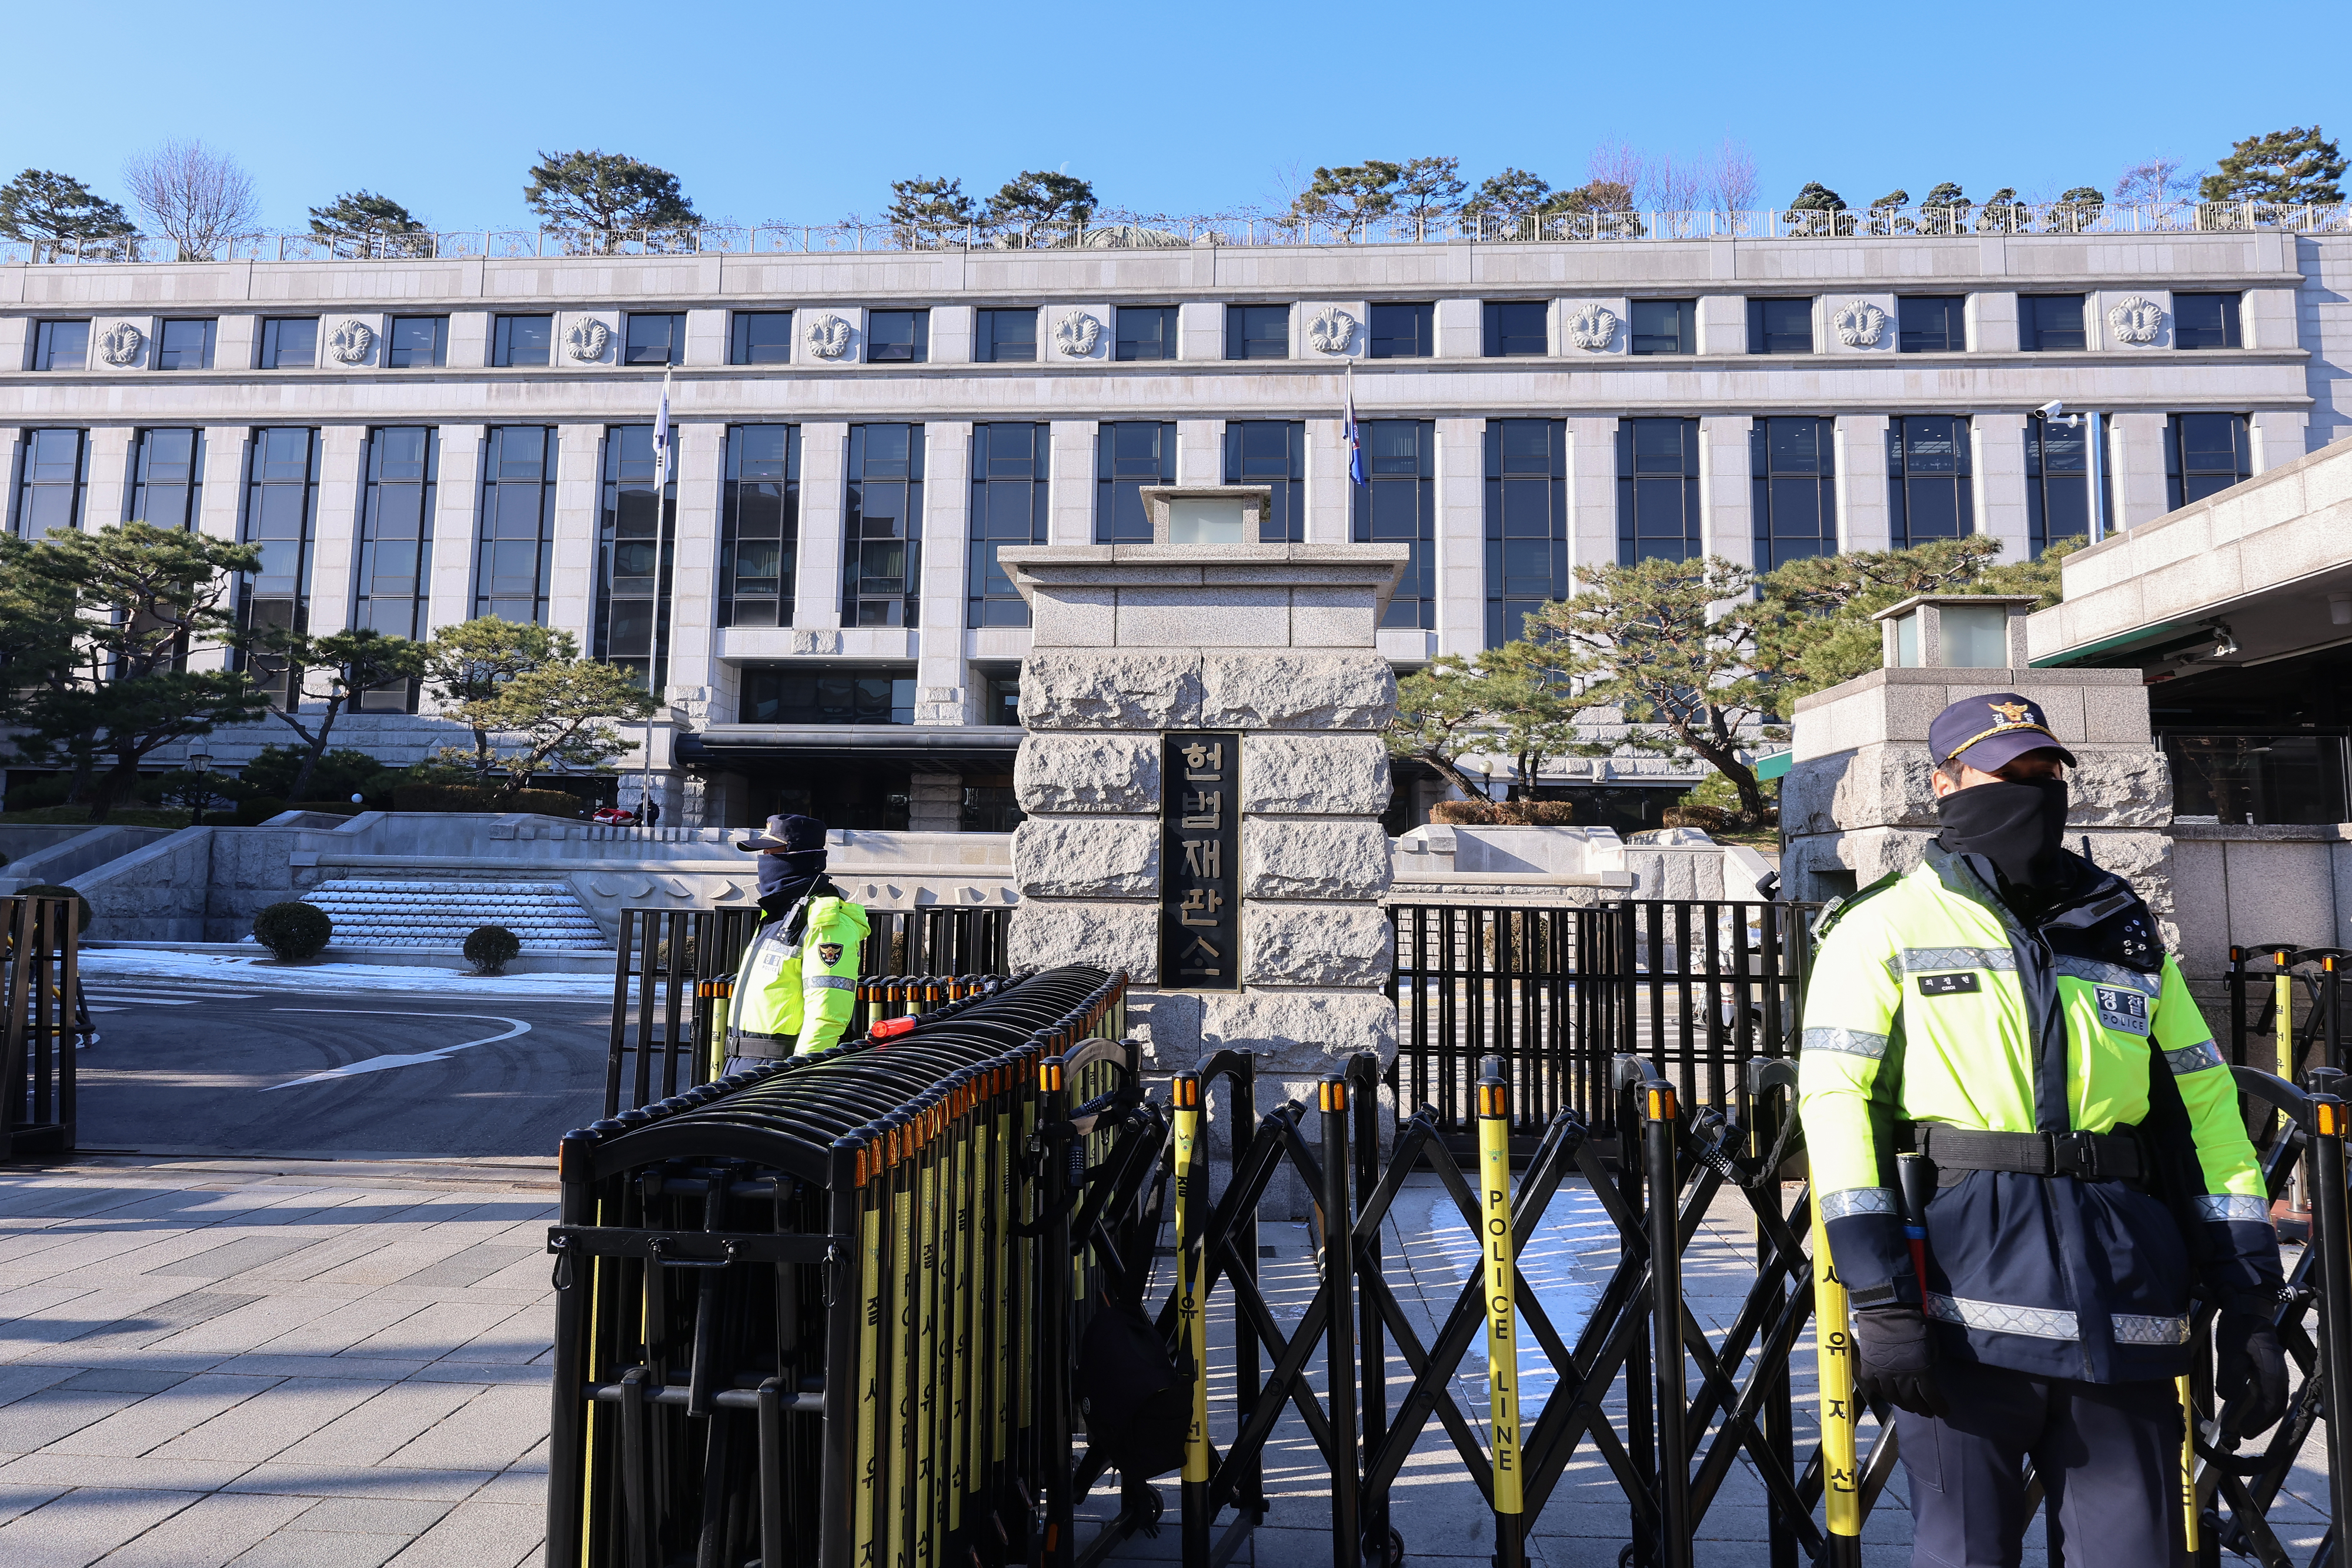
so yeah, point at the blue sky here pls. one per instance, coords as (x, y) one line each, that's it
(806, 114)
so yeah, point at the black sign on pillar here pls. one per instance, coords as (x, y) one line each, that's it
(1201, 862)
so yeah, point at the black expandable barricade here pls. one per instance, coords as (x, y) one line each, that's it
(826, 1311)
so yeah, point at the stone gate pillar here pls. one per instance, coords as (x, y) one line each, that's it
(1858, 802)
(1237, 882)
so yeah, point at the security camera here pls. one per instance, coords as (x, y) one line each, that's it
(2050, 410)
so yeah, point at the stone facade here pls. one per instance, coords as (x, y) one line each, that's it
(2286, 381)
(1858, 802)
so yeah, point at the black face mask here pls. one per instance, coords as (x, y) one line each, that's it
(2017, 827)
(790, 875)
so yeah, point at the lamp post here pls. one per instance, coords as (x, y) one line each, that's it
(200, 763)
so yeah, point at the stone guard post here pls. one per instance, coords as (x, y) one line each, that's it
(1210, 630)
(1858, 802)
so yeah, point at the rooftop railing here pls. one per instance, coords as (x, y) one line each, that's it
(1144, 233)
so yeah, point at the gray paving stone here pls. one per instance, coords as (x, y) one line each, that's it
(124, 1380)
(374, 1516)
(81, 1527)
(319, 1549)
(475, 1533)
(209, 1532)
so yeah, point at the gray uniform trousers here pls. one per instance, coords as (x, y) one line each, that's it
(2107, 1455)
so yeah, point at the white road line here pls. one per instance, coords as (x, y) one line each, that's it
(381, 1063)
(144, 1001)
(95, 1008)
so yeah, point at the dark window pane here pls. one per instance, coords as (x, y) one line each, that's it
(2205, 321)
(55, 472)
(186, 345)
(280, 515)
(1397, 504)
(636, 545)
(518, 539)
(759, 526)
(1931, 323)
(1008, 507)
(857, 694)
(1657, 489)
(1258, 331)
(61, 346)
(2204, 455)
(522, 340)
(762, 338)
(1273, 453)
(1526, 522)
(1929, 491)
(1005, 336)
(396, 539)
(881, 556)
(1518, 327)
(1779, 325)
(2050, 322)
(1146, 331)
(1402, 331)
(1793, 490)
(655, 339)
(167, 478)
(417, 342)
(1130, 457)
(1664, 325)
(897, 337)
(289, 344)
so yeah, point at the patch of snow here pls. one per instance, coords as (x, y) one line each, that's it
(259, 972)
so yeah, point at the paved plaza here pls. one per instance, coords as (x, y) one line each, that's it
(342, 1364)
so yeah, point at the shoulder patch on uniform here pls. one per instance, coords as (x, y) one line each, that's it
(1837, 909)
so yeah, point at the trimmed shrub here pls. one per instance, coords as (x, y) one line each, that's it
(293, 931)
(256, 810)
(471, 798)
(35, 793)
(1705, 819)
(1504, 813)
(51, 890)
(489, 948)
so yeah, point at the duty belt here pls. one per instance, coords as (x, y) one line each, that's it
(2092, 1156)
(762, 1047)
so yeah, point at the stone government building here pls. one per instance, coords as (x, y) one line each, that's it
(415, 442)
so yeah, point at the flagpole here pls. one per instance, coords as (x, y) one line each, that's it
(663, 440)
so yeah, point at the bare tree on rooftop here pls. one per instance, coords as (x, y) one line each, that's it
(1614, 163)
(1731, 177)
(2155, 179)
(1675, 184)
(197, 196)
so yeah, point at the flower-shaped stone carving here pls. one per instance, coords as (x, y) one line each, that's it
(1076, 334)
(828, 336)
(2137, 320)
(1858, 324)
(1593, 327)
(586, 340)
(1331, 331)
(351, 341)
(120, 344)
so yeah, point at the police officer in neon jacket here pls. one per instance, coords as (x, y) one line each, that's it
(2006, 1009)
(797, 983)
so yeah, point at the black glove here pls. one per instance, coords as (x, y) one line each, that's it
(2251, 1378)
(1895, 1352)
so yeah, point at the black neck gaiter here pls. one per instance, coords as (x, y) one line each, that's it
(2017, 827)
(786, 880)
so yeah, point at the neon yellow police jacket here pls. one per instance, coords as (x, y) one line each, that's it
(797, 984)
(1930, 1001)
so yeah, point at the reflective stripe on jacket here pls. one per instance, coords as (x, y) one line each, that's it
(793, 995)
(1930, 1001)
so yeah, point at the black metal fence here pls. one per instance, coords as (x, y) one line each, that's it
(670, 984)
(43, 1020)
(1693, 988)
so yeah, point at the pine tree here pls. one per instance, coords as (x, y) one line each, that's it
(358, 215)
(1429, 188)
(928, 207)
(1821, 206)
(604, 197)
(41, 203)
(2291, 168)
(1350, 192)
(1038, 196)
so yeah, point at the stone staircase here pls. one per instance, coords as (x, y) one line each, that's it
(372, 912)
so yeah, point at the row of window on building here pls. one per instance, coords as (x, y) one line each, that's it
(2047, 323)
(1793, 500)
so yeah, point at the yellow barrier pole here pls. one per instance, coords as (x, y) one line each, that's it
(1500, 1264)
(1833, 1349)
(1192, 1327)
(2187, 1463)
